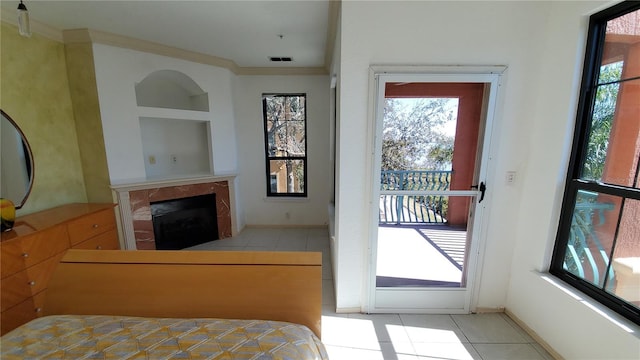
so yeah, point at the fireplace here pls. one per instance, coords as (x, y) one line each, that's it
(185, 222)
(136, 199)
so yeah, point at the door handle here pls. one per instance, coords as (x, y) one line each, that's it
(482, 187)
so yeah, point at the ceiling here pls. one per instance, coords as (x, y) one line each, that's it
(245, 32)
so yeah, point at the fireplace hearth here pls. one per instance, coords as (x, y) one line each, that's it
(185, 222)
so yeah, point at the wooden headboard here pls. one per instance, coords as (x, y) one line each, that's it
(283, 286)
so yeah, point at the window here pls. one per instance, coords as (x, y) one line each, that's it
(285, 135)
(598, 241)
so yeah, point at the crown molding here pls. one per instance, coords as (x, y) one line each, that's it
(332, 28)
(281, 71)
(105, 38)
(100, 37)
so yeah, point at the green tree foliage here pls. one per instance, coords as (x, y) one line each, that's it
(603, 112)
(413, 137)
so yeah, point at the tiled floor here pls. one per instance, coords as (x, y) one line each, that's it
(392, 336)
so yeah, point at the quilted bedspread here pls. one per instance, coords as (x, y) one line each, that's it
(118, 337)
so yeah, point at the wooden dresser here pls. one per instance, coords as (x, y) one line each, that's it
(32, 249)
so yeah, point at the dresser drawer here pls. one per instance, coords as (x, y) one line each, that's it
(22, 313)
(19, 254)
(15, 289)
(105, 241)
(91, 225)
(18, 315)
(21, 285)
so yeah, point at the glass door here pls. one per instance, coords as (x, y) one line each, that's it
(431, 134)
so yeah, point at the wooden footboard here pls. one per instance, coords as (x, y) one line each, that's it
(283, 286)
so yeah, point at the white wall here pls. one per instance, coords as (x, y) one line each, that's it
(570, 325)
(435, 33)
(258, 210)
(176, 147)
(117, 72)
(542, 44)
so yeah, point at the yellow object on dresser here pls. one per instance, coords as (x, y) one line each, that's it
(35, 245)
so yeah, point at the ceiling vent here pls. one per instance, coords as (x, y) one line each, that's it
(280, 58)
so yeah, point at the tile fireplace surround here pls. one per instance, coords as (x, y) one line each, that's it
(134, 201)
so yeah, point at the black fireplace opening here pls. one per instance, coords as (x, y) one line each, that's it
(185, 222)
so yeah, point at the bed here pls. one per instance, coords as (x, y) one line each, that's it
(177, 305)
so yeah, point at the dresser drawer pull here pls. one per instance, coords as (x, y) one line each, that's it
(26, 255)
(99, 247)
(32, 283)
(95, 226)
(38, 310)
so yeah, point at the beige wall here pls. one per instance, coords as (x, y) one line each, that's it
(35, 92)
(86, 110)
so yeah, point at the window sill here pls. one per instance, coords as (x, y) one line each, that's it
(606, 313)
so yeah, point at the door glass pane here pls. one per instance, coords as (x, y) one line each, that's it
(418, 133)
(615, 130)
(429, 142)
(421, 249)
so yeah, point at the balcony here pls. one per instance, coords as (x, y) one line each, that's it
(406, 209)
(418, 246)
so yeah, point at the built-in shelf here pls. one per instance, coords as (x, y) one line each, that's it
(165, 113)
(175, 125)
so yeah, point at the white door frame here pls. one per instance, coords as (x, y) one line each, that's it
(378, 75)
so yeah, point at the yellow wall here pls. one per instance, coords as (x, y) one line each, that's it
(34, 91)
(84, 96)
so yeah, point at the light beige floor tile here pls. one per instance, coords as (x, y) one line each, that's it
(398, 351)
(507, 352)
(291, 234)
(542, 351)
(322, 232)
(317, 243)
(347, 353)
(388, 327)
(518, 328)
(432, 328)
(349, 333)
(267, 241)
(327, 271)
(488, 328)
(232, 241)
(253, 232)
(449, 351)
(295, 244)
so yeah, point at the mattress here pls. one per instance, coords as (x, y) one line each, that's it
(118, 337)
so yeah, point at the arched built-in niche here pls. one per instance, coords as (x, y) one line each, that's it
(173, 90)
(174, 125)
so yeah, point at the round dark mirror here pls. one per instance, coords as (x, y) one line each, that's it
(16, 163)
